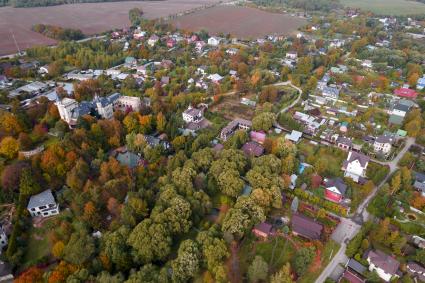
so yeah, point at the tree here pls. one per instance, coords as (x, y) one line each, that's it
(33, 274)
(160, 122)
(80, 248)
(28, 185)
(9, 147)
(230, 183)
(187, 263)
(283, 275)
(57, 249)
(11, 176)
(150, 241)
(258, 269)
(303, 259)
(263, 121)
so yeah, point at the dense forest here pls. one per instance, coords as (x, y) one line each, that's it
(308, 5)
(42, 3)
(58, 33)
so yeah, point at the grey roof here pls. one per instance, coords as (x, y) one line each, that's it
(152, 141)
(383, 139)
(193, 112)
(104, 101)
(43, 198)
(306, 227)
(363, 159)
(416, 270)
(382, 260)
(402, 107)
(345, 141)
(128, 158)
(419, 182)
(420, 177)
(338, 183)
(356, 266)
(331, 90)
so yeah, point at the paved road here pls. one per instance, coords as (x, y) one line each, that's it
(348, 228)
(300, 92)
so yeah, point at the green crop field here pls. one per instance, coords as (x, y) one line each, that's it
(387, 7)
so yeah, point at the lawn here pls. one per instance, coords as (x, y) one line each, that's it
(38, 246)
(330, 249)
(387, 7)
(250, 247)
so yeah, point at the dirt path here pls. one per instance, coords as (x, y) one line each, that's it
(233, 264)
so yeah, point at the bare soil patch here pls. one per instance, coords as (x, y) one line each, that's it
(91, 18)
(242, 22)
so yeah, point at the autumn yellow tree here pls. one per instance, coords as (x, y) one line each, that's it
(9, 147)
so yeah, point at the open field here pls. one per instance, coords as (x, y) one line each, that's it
(91, 18)
(388, 7)
(239, 21)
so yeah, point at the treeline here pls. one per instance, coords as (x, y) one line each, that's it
(58, 33)
(43, 3)
(308, 5)
(93, 54)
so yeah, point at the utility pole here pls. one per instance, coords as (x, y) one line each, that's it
(16, 43)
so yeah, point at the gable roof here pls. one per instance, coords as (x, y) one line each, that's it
(306, 226)
(356, 266)
(337, 183)
(353, 156)
(43, 198)
(263, 227)
(382, 260)
(253, 148)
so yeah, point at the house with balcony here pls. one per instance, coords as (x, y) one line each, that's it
(43, 204)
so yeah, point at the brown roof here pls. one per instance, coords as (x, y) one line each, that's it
(306, 227)
(253, 148)
(351, 277)
(264, 227)
(385, 262)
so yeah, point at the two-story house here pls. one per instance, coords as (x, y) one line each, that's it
(355, 166)
(192, 115)
(385, 266)
(43, 204)
(382, 144)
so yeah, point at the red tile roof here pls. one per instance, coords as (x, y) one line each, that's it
(406, 92)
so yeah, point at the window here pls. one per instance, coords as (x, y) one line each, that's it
(42, 207)
(45, 213)
(33, 209)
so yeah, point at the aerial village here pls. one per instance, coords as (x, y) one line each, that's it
(162, 155)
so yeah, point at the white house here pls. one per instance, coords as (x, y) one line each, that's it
(294, 137)
(215, 78)
(214, 41)
(153, 40)
(43, 204)
(66, 108)
(105, 105)
(292, 55)
(382, 145)
(192, 115)
(125, 103)
(43, 69)
(355, 166)
(420, 85)
(385, 266)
